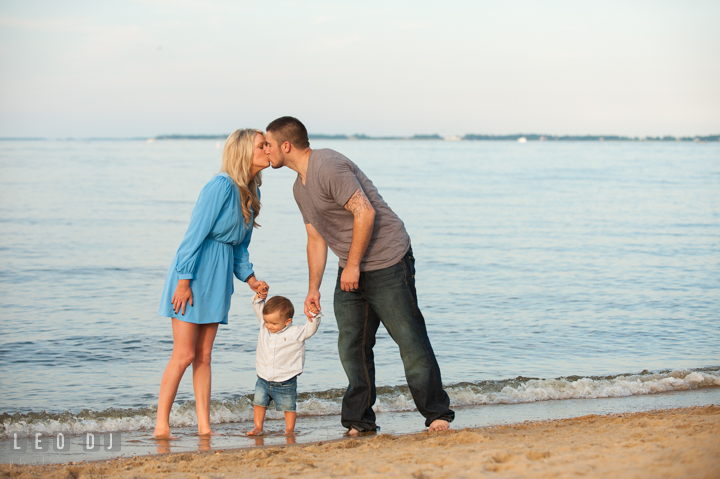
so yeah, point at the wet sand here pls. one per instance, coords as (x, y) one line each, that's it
(675, 443)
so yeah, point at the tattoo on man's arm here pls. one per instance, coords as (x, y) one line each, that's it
(358, 203)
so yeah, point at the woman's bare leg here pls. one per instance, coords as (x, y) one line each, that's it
(202, 375)
(184, 338)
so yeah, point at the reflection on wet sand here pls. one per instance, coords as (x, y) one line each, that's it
(205, 443)
(162, 446)
(260, 440)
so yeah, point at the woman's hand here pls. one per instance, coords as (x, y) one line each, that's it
(260, 287)
(182, 296)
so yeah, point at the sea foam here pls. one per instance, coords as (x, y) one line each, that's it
(389, 399)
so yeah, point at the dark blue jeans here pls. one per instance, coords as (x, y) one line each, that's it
(388, 296)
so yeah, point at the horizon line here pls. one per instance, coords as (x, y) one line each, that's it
(520, 137)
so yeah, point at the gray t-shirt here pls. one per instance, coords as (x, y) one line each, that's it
(330, 182)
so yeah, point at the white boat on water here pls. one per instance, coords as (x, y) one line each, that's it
(522, 139)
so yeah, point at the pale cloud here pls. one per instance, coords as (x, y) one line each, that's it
(410, 25)
(69, 24)
(324, 19)
(84, 42)
(198, 5)
(52, 24)
(324, 43)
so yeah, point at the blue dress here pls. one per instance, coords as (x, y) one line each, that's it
(215, 246)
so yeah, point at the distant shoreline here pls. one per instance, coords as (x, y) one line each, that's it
(519, 137)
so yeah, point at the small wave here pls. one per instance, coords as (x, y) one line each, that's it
(389, 399)
(531, 390)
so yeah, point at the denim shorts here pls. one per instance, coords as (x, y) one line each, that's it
(284, 394)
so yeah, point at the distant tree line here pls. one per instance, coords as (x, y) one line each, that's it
(472, 137)
(192, 137)
(359, 136)
(468, 137)
(535, 137)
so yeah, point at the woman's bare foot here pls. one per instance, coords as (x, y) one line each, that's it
(208, 433)
(255, 432)
(161, 433)
(439, 425)
(289, 432)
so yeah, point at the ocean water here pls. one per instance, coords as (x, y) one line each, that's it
(545, 271)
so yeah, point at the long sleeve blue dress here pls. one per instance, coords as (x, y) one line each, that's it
(214, 247)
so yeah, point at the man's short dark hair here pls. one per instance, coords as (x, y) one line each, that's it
(289, 129)
(280, 304)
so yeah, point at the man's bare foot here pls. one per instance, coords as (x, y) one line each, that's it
(255, 432)
(353, 432)
(439, 425)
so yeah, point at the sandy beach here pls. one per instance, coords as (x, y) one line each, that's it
(675, 443)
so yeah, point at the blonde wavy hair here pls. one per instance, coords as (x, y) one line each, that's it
(237, 159)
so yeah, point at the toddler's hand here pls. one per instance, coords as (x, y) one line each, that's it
(313, 311)
(312, 301)
(262, 290)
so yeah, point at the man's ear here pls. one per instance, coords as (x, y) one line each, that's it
(286, 147)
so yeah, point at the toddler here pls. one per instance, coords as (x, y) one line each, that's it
(279, 358)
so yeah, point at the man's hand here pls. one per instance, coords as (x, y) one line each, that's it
(317, 256)
(349, 280)
(182, 296)
(312, 304)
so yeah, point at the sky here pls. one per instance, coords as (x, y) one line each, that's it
(123, 69)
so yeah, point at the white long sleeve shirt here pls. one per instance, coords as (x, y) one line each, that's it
(281, 355)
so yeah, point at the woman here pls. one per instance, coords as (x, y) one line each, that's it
(200, 281)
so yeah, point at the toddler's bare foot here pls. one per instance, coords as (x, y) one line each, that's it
(439, 425)
(255, 432)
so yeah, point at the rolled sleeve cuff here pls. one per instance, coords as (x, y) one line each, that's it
(245, 274)
(185, 276)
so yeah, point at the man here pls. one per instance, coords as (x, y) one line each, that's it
(342, 209)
